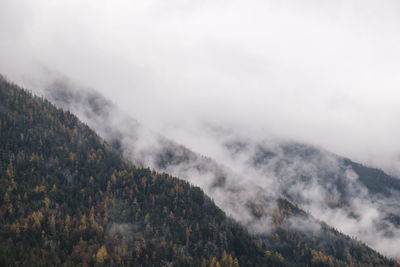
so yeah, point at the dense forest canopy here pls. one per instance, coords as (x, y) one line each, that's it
(67, 198)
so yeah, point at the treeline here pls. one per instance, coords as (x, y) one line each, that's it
(68, 198)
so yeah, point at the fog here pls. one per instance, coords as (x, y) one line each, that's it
(247, 176)
(324, 72)
(204, 72)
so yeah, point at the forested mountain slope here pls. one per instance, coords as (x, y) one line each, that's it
(296, 235)
(68, 198)
(359, 200)
(254, 200)
(254, 174)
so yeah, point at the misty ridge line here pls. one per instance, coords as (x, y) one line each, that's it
(323, 72)
(285, 84)
(252, 176)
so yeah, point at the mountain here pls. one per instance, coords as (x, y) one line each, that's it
(260, 185)
(67, 198)
(356, 199)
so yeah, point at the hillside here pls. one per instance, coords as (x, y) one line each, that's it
(354, 198)
(199, 133)
(68, 198)
(249, 197)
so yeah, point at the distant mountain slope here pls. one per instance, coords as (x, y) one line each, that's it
(68, 198)
(361, 201)
(250, 198)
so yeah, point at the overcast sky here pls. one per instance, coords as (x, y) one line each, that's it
(323, 72)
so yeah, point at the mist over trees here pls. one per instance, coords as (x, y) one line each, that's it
(69, 197)
(249, 175)
(217, 133)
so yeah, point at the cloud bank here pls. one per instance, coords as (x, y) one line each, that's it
(248, 177)
(323, 72)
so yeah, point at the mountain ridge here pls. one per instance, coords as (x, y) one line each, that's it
(68, 198)
(170, 155)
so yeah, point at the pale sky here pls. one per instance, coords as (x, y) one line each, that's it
(322, 72)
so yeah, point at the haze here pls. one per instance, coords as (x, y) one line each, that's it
(321, 72)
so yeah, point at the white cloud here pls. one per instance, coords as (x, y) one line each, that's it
(323, 72)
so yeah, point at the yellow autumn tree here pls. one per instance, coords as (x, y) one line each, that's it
(101, 254)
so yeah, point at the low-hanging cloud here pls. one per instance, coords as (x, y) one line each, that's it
(247, 177)
(323, 72)
(317, 71)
